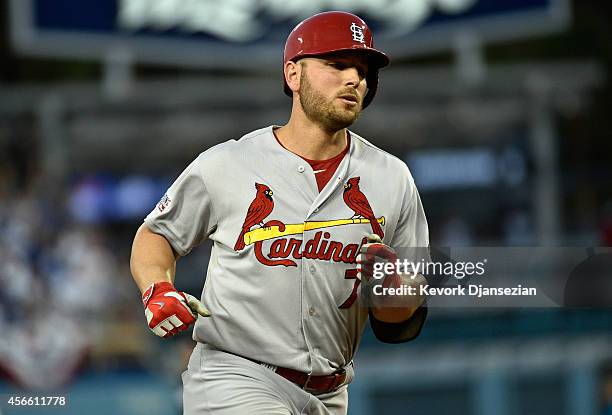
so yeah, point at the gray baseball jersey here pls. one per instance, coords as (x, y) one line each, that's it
(281, 283)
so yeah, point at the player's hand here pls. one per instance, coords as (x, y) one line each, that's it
(169, 311)
(387, 307)
(375, 251)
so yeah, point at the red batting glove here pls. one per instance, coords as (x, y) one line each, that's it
(376, 252)
(166, 309)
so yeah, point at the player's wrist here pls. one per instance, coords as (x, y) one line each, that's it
(396, 296)
(393, 314)
(155, 289)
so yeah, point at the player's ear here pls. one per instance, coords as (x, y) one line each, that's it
(292, 75)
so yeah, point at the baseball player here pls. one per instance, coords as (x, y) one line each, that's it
(296, 214)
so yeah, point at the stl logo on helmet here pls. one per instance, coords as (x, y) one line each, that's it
(357, 31)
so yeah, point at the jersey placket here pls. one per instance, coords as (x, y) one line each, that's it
(305, 176)
(309, 272)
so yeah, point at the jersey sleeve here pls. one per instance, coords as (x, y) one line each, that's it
(184, 215)
(412, 230)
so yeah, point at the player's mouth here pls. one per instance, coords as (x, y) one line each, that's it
(349, 99)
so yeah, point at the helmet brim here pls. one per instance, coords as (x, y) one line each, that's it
(376, 58)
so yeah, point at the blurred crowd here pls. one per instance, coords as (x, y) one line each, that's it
(63, 288)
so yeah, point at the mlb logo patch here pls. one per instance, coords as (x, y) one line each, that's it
(163, 203)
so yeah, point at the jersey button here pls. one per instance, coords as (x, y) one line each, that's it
(311, 311)
(301, 169)
(312, 269)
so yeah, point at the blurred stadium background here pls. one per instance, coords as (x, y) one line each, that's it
(500, 108)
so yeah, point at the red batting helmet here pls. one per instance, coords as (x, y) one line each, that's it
(333, 32)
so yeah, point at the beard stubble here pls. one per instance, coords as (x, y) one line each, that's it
(322, 111)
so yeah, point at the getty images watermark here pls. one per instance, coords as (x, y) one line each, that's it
(470, 277)
(497, 277)
(450, 269)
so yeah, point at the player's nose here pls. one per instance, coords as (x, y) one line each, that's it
(352, 76)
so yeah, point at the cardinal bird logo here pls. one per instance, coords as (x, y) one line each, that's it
(258, 210)
(358, 202)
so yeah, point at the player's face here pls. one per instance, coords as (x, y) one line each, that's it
(332, 89)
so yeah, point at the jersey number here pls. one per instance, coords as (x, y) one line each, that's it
(351, 274)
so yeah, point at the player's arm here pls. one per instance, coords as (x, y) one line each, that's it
(152, 257)
(153, 264)
(393, 324)
(181, 220)
(404, 322)
(394, 319)
(406, 305)
(384, 305)
(399, 332)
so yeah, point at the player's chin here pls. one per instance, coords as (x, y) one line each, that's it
(348, 112)
(351, 116)
(340, 121)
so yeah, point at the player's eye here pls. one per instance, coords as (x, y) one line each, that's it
(361, 70)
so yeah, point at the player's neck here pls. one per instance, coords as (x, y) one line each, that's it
(310, 141)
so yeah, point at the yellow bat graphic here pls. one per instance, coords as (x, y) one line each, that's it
(263, 234)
